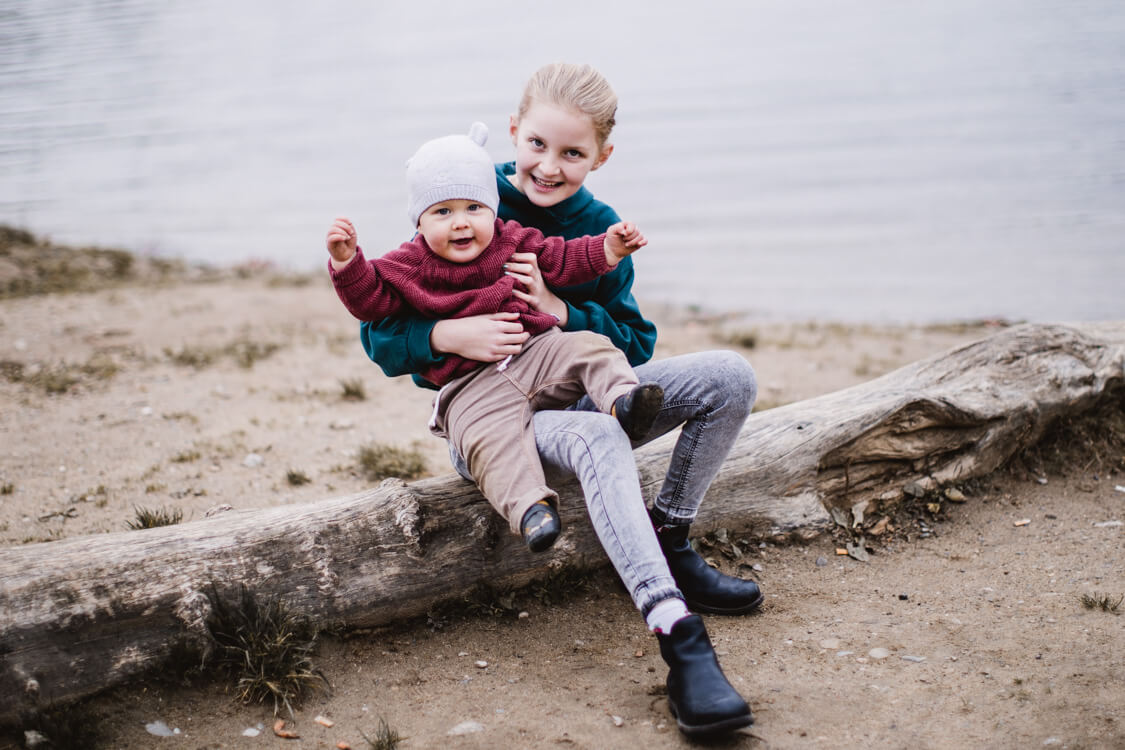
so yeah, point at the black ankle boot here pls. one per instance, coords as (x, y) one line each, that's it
(705, 589)
(700, 697)
(540, 526)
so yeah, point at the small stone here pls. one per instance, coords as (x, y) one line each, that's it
(251, 732)
(757, 567)
(324, 722)
(462, 653)
(915, 659)
(639, 653)
(954, 495)
(480, 664)
(618, 721)
(1041, 480)
(1052, 741)
(903, 597)
(524, 615)
(878, 653)
(466, 727)
(160, 729)
(252, 461)
(914, 489)
(821, 561)
(34, 740)
(1107, 524)
(830, 644)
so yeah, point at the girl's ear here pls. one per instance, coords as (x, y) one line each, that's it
(513, 127)
(607, 149)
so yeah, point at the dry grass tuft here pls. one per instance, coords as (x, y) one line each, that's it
(353, 390)
(1104, 602)
(267, 647)
(243, 351)
(377, 461)
(153, 518)
(296, 478)
(385, 738)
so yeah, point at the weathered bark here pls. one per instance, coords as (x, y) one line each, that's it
(80, 615)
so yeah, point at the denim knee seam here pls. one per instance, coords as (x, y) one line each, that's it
(703, 412)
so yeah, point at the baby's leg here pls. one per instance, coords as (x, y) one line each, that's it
(605, 374)
(489, 424)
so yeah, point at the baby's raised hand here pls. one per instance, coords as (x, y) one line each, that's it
(341, 240)
(622, 239)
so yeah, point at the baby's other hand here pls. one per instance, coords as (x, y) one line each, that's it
(623, 238)
(341, 240)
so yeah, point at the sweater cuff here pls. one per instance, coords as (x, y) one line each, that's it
(350, 273)
(598, 259)
(418, 342)
(576, 318)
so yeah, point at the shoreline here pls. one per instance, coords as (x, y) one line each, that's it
(192, 394)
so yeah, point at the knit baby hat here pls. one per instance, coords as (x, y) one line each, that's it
(451, 167)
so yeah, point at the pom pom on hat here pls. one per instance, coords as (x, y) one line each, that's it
(449, 168)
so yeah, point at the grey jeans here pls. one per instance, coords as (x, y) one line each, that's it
(711, 395)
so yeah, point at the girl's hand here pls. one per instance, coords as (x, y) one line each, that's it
(524, 268)
(484, 338)
(622, 239)
(341, 241)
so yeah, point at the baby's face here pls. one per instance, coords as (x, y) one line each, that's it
(457, 230)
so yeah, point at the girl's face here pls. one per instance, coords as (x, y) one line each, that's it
(555, 149)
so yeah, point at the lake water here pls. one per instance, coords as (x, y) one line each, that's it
(870, 160)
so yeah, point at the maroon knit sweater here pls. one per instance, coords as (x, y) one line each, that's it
(414, 277)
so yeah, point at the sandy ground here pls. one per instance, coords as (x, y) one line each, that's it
(139, 397)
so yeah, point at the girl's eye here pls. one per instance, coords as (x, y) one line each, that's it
(574, 153)
(536, 142)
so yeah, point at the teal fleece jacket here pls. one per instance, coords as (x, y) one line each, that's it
(401, 345)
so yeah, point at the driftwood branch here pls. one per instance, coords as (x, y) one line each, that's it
(83, 614)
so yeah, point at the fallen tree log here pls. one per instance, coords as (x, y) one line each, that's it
(83, 614)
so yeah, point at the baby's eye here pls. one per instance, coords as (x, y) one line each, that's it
(441, 211)
(474, 207)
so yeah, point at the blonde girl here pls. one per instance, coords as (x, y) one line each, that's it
(561, 133)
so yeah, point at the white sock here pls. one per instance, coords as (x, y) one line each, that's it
(665, 614)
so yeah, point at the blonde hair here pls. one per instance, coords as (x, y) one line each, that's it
(577, 87)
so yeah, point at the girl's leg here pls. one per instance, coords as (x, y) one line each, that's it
(711, 394)
(594, 448)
